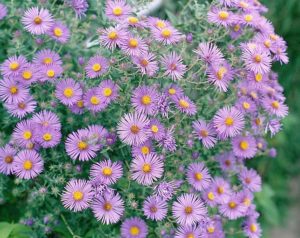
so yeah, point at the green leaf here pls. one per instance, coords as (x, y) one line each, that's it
(5, 229)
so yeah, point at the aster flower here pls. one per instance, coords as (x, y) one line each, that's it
(221, 189)
(94, 100)
(134, 227)
(257, 80)
(146, 63)
(233, 208)
(97, 134)
(209, 53)
(236, 31)
(275, 107)
(157, 129)
(37, 21)
(108, 208)
(256, 59)
(173, 64)
(168, 141)
(274, 126)
(198, 176)
(205, 132)
(145, 99)
(155, 208)
(96, 66)
(68, 91)
(24, 134)
(249, 19)
(106, 172)
(79, 7)
(188, 209)
(221, 17)
(46, 119)
(133, 45)
(7, 157)
(174, 91)
(117, 10)
(220, 75)
(47, 57)
(185, 105)
(22, 108)
(192, 231)
(166, 190)
(244, 146)
(163, 105)
(49, 73)
(246, 197)
(143, 149)
(3, 11)
(227, 161)
(59, 32)
(78, 107)
(133, 129)
(77, 195)
(155, 22)
(27, 74)
(146, 169)
(250, 179)
(12, 66)
(252, 229)
(112, 37)
(167, 35)
(109, 90)
(209, 196)
(12, 92)
(48, 137)
(28, 164)
(228, 122)
(134, 21)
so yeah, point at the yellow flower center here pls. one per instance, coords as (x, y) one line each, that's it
(133, 43)
(154, 128)
(248, 18)
(273, 37)
(135, 129)
(211, 196)
(183, 103)
(253, 228)
(153, 209)
(221, 72)
(247, 180)
(112, 35)
(198, 176)
(247, 202)
(146, 168)
(107, 171)
(172, 91)
(68, 92)
(117, 11)
(107, 92)
(146, 100)
(14, 65)
(246, 105)
(27, 75)
(107, 206)
(188, 210)
(27, 135)
(27, 165)
(210, 229)
(203, 133)
(160, 24)
(38, 20)
(13, 89)
(220, 190)
(57, 32)
(50, 73)
(275, 104)
(47, 60)
(95, 100)
(258, 121)
(133, 20)
(82, 145)
(47, 137)
(134, 231)
(243, 4)
(257, 58)
(236, 28)
(267, 43)
(80, 104)
(166, 33)
(144, 62)
(223, 15)
(232, 205)
(244, 145)
(259, 145)
(229, 121)
(96, 67)
(78, 195)
(145, 150)
(8, 159)
(258, 77)
(190, 235)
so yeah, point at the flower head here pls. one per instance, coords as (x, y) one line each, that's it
(134, 227)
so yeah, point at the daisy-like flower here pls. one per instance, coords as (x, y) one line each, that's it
(157, 130)
(252, 229)
(198, 176)
(145, 99)
(133, 129)
(249, 19)
(47, 57)
(173, 65)
(77, 195)
(221, 17)
(188, 209)
(112, 37)
(166, 190)
(117, 10)
(205, 132)
(22, 108)
(185, 105)
(257, 80)
(167, 35)
(221, 189)
(28, 75)
(209, 196)
(28, 164)
(94, 100)
(228, 122)
(156, 22)
(275, 107)
(3, 11)
(250, 179)
(59, 32)
(209, 53)
(246, 197)
(106, 172)
(256, 59)
(80, 145)
(244, 146)
(246, 104)
(220, 75)
(233, 208)
(96, 66)
(12, 92)
(48, 137)
(192, 231)
(155, 208)
(108, 208)
(143, 149)
(7, 157)
(24, 134)
(134, 227)
(168, 141)
(68, 91)
(109, 90)
(78, 107)
(79, 7)
(37, 21)
(134, 21)
(174, 91)
(49, 73)
(133, 45)
(146, 63)
(227, 161)
(146, 169)
(12, 66)
(45, 119)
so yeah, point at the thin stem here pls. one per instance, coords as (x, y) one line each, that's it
(68, 227)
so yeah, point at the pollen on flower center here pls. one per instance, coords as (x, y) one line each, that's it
(236, 28)
(68, 92)
(191, 235)
(258, 77)
(146, 100)
(107, 206)
(134, 231)
(27, 135)
(267, 43)
(107, 92)
(50, 73)
(96, 67)
(107, 171)
(133, 43)
(247, 180)
(77, 195)
(203, 133)
(145, 150)
(220, 190)
(188, 210)
(47, 137)
(27, 75)
(247, 202)
(166, 33)
(257, 58)
(95, 100)
(198, 176)
(82, 145)
(146, 168)
(211, 196)
(221, 72)
(117, 11)
(258, 121)
(27, 165)
(38, 20)
(80, 104)
(244, 145)
(112, 35)
(229, 121)
(144, 62)
(47, 60)
(154, 128)
(160, 24)
(275, 104)
(134, 129)
(253, 228)
(210, 229)
(153, 209)
(172, 91)
(246, 105)
(8, 159)
(14, 65)
(223, 15)
(133, 20)
(183, 103)
(57, 32)
(13, 89)
(248, 18)
(232, 204)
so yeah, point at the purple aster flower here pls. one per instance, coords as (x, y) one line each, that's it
(244, 146)
(49, 73)
(133, 21)
(22, 108)
(163, 105)
(79, 7)
(274, 126)
(134, 227)
(168, 141)
(249, 19)
(173, 64)
(222, 190)
(143, 149)
(68, 91)
(109, 90)
(37, 21)
(133, 129)
(155, 22)
(106, 172)
(146, 63)
(108, 208)
(28, 74)
(94, 100)
(145, 99)
(233, 208)
(146, 169)
(133, 45)
(188, 209)
(59, 32)
(47, 57)
(167, 35)
(155, 208)
(236, 32)
(48, 137)
(275, 107)
(185, 105)
(46, 119)
(227, 161)
(220, 75)
(97, 134)
(198, 176)
(28, 164)
(166, 190)
(250, 179)
(209, 196)
(246, 105)
(80, 145)
(96, 66)
(157, 130)
(209, 53)
(256, 59)
(213, 228)
(228, 122)
(252, 229)
(192, 231)
(12, 66)
(7, 157)
(112, 37)
(246, 197)
(24, 134)
(221, 17)
(78, 107)
(3, 11)
(117, 10)
(174, 91)
(77, 195)
(205, 133)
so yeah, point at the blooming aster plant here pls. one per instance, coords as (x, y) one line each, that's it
(146, 133)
